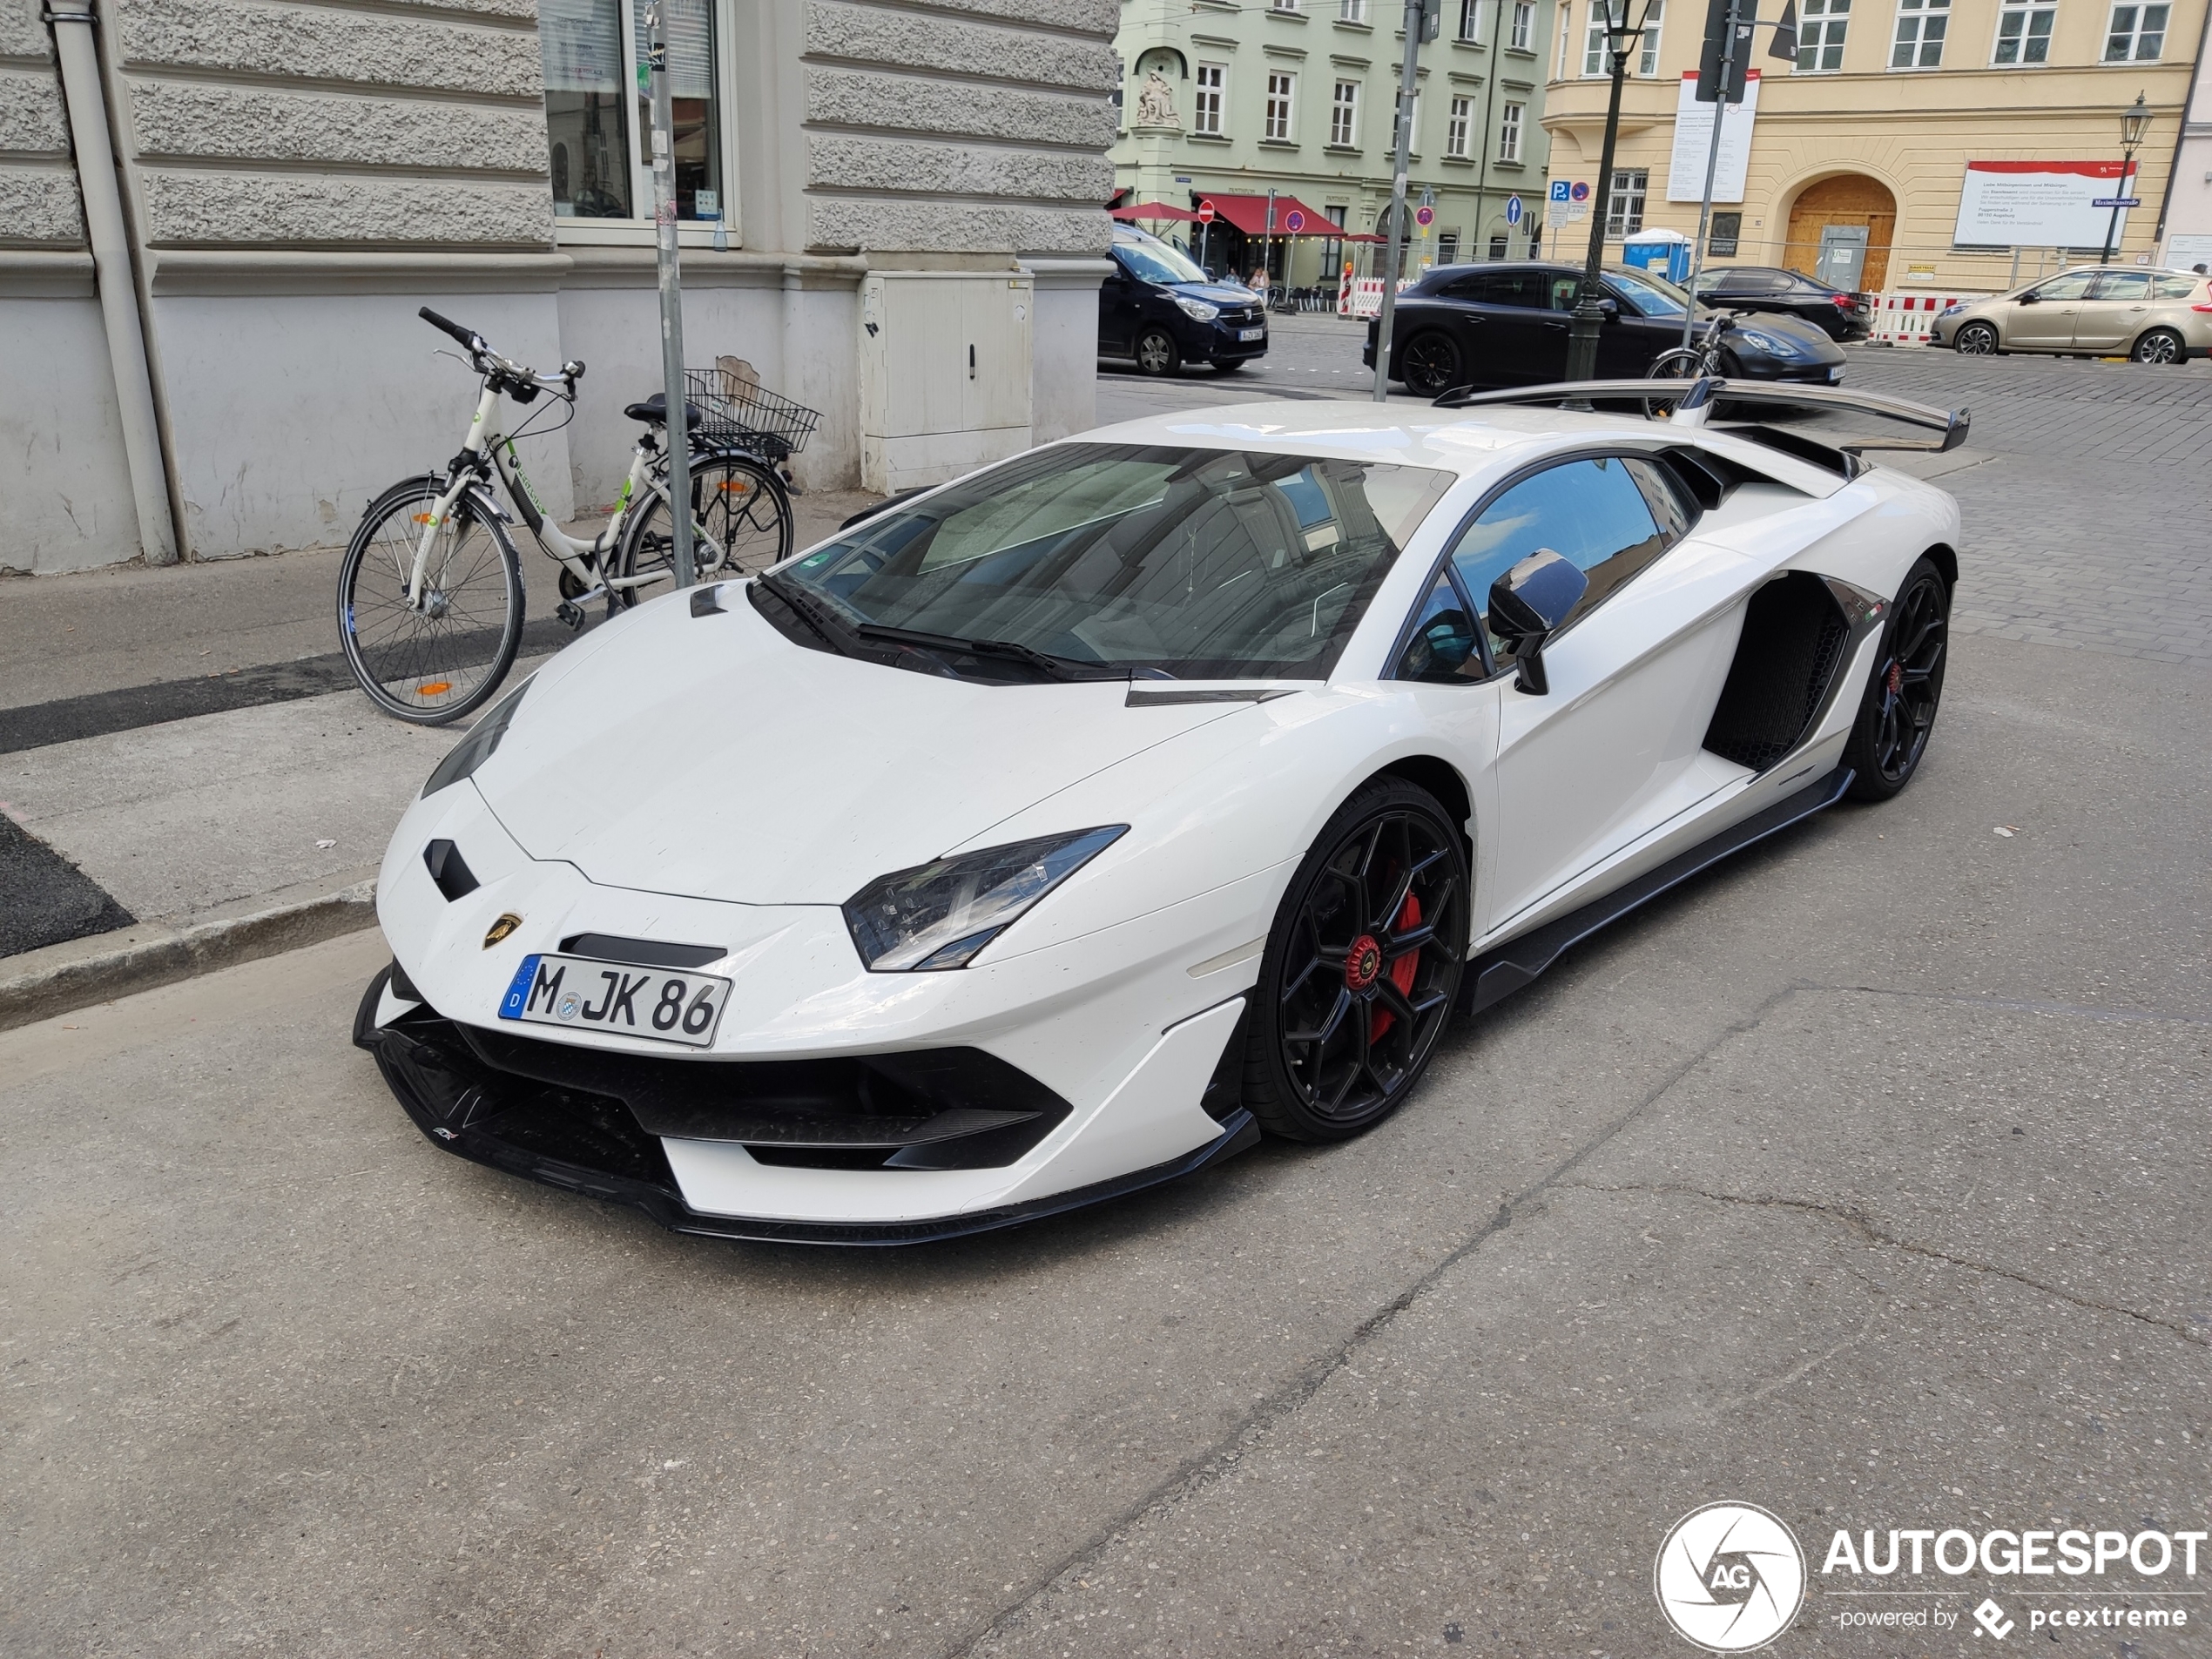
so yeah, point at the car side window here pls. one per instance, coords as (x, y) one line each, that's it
(2122, 285)
(1497, 288)
(2072, 286)
(1563, 290)
(1591, 511)
(2177, 287)
(1444, 649)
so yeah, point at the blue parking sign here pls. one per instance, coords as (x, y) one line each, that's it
(1559, 189)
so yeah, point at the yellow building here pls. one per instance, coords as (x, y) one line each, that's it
(1865, 136)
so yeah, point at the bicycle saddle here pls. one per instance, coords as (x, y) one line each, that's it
(654, 412)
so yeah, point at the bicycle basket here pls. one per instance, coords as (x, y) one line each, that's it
(738, 412)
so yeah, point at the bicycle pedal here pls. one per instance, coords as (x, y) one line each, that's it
(569, 614)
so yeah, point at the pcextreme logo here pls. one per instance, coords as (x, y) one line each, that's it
(1729, 1577)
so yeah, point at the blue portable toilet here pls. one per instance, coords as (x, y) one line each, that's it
(1662, 253)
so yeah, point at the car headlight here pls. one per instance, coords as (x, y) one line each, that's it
(938, 916)
(1951, 310)
(476, 748)
(1773, 345)
(1198, 310)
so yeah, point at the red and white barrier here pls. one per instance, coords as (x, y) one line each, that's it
(1905, 319)
(1362, 297)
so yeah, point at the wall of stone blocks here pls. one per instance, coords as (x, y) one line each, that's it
(39, 208)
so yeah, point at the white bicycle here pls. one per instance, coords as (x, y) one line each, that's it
(430, 601)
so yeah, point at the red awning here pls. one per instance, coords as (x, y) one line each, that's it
(1153, 211)
(1249, 214)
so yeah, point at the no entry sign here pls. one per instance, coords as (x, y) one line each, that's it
(1205, 213)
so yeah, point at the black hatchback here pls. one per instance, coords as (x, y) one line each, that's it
(1507, 325)
(1162, 309)
(1839, 315)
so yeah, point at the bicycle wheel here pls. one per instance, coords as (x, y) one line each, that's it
(740, 525)
(1681, 363)
(441, 658)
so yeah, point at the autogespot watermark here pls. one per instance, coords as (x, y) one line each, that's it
(1730, 1578)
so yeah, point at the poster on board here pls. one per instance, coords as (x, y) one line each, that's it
(1694, 137)
(2039, 203)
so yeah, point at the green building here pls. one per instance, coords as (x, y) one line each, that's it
(1226, 102)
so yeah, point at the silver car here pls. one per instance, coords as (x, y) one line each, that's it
(2152, 316)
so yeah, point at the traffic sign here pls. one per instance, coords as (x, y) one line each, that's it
(1559, 189)
(1514, 209)
(2117, 202)
(1425, 217)
(1205, 213)
(1294, 221)
(1580, 192)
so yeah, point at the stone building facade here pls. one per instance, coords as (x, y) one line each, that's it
(292, 178)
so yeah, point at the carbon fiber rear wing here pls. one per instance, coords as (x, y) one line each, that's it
(1693, 401)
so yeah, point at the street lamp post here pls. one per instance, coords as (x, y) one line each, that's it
(1589, 316)
(2135, 122)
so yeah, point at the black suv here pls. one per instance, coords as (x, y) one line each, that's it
(1161, 309)
(1839, 315)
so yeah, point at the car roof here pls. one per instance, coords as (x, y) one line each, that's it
(1462, 442)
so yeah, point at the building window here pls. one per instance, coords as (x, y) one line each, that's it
(1509, 131)
(1344, 115)
(1497, 248)
(1524, 25)
(1447, 247)
(1820, 34)
(1279, 105)
(2024, 33)
(1597, 59)
(1624, 212)
(1282, 5)
(1727, 231)
(2138, 34)
(1413, 118)
(593, 133)
(1457, 120)
(1470, 10)
(1920, 27)
(1566, 39)
(1352, 10)
(1205, 102)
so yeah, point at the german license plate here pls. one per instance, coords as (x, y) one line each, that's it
(1252, 333)
(1835, 374)
(587, 996)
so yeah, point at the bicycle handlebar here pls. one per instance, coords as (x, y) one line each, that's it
(467, 337)
(564, 381)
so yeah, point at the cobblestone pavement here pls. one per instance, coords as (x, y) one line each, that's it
(2086, 486)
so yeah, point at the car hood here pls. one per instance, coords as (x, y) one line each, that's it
(709, 756)
(1214, 293)
(1811, 341)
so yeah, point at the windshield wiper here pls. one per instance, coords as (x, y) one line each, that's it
(1059, 668)
(834, 630)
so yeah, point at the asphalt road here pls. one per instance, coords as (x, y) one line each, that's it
(1865, 1180)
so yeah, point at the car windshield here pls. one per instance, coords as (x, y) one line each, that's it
(1197, 563)
(1653, 296)
(1157, 262)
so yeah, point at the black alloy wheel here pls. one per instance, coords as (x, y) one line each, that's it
(1431, 364)
(1975, 340)
(1361, 968)
(1902, 695)
(1156, 353)
(2159, 346)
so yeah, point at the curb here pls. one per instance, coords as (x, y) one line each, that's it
(40, 983)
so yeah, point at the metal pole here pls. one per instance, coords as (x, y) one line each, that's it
(1267, 248)
(2112, 225)
(1712, 166)
(1589, 318)
(672, 297)
(1388, 315)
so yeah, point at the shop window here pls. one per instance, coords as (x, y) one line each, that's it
(596, 137)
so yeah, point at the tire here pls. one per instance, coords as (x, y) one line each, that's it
(1157, 354)
(446, 658)
(2160, 346)
(1975, 340)
(1342, 1025)
(1430, 364)
(1898, 708)
(741, 505)
(1677, 363)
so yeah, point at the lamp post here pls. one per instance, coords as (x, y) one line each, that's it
(1589, 316)
(2135, 122)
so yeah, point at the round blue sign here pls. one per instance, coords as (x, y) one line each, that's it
(1514, 209)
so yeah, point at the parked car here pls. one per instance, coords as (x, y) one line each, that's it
(2152, 316)
(1787, 294)
(1162, 309)
(1507, 325)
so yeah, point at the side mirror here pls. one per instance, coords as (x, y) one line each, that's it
(2031, 298)
(1528, 604)
(1610, 306)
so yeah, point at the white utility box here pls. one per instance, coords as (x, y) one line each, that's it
(944, 373)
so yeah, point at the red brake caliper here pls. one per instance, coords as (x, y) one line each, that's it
(1401, 972)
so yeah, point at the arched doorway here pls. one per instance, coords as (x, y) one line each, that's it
(1832, 213)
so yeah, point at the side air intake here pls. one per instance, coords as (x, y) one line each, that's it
(1792, 645)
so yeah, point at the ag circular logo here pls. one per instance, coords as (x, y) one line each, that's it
(1729, 1577)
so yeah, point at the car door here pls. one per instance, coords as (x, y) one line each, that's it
(1613, 747)
(2042, 318)
(1500, 326)
(1630, 338)
(2115, 310)
(1117, 313)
